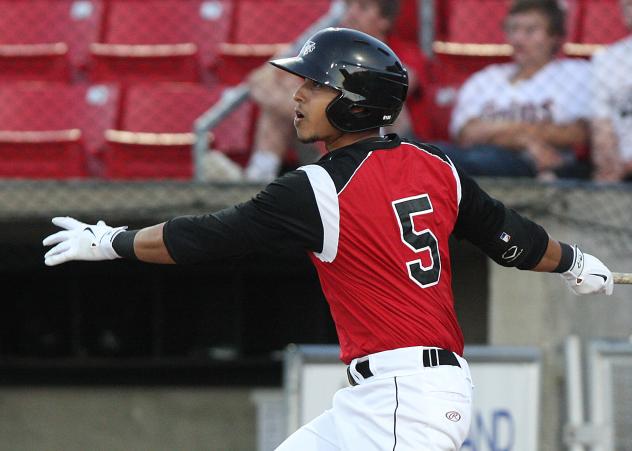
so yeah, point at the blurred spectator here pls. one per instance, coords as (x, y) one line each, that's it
(275, 133)
(528, 117)
(612, 123)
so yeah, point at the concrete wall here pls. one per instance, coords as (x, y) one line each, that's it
(528, 308)
(125, 419)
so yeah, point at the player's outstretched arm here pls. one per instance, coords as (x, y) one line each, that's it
(513, 240)
(95, 242)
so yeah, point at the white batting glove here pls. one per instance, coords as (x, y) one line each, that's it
(588, 275)
(80, 241)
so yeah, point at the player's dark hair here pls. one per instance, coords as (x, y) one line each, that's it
(549, 8)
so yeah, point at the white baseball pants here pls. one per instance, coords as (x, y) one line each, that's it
(404, 406)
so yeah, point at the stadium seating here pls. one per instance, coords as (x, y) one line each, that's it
(439, 99)
(50, 130)
(42, 39)
(472, 36)
(155, 135)
(601, 22)
(160, 40)
(262, 28)
(471, 39)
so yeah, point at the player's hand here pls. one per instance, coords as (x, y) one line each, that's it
(79, 241)
(588, 275)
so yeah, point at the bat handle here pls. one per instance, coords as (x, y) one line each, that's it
(622, 277)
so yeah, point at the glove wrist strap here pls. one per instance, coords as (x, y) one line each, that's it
(567, 260)
(123, 244)
(106, 243)
(577, 266)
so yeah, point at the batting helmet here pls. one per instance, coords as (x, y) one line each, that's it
(369, 76)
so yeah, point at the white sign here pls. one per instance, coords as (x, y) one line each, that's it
(506, 394)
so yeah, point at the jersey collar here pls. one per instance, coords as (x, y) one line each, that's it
(366, 145)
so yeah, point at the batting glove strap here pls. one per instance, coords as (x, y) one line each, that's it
(577, 265)
(588, 275)
(103, 239)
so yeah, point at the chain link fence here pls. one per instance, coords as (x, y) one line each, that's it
(538, 71)
(604, 211)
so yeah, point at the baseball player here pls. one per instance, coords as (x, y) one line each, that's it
(375, 215)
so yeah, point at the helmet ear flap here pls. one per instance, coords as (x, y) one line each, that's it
(340, 115)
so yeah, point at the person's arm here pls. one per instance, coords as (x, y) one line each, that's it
(283, 215)
(516, 135)
(513, 240)
(608, 163)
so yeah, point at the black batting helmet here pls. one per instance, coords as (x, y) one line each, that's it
(369, 76)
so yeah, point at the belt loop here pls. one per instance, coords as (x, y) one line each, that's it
(434, 357)
(352, 381)
(426, 357)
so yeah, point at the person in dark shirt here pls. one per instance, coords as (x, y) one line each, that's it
(375, 214)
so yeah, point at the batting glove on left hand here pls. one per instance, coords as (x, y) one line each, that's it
(80, 241)
(588, 275)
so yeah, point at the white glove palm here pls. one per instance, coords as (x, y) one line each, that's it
(588, 275)
(80, 241)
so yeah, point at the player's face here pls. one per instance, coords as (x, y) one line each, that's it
(310, 119)
(529, 35)
(626, 6)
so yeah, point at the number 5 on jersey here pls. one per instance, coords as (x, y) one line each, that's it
(418, 241)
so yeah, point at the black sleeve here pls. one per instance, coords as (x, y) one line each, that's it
(504, 235)
(284, 214)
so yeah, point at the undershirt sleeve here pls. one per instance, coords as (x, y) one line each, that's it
(504, 235)
(283, 215)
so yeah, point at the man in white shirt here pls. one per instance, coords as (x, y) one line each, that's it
(525, 118)
(612, 123)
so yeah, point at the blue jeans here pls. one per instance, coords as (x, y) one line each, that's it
(490, 160)
(493, 161)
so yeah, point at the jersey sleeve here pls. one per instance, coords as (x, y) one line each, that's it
(281, 216)
(504, 235)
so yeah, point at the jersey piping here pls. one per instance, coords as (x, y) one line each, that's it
(447, 161)
(327, 203)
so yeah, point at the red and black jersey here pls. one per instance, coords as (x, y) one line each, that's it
(385, 265)
(376, 217)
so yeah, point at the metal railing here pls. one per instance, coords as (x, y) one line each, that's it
(233, 97)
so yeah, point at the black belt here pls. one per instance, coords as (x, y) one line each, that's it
(430, 359)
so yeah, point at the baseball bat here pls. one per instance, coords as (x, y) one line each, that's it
(622, 277)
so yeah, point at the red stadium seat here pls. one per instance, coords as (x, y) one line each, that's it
(406, 25)
(39, 39)
(49, 130)
(160, 40)
(473, 38)
(601, 23)
(439, 101)
(261, 28)
(155, 136)
(35, 62)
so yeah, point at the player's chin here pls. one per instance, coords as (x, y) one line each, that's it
(309, 140)
(306, 138)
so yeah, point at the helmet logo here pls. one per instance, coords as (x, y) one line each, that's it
(307, 48)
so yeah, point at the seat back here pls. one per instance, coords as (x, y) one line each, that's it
(602, 22)
(204, 23)
(260, 29)
(37, 106)
(76, 23)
